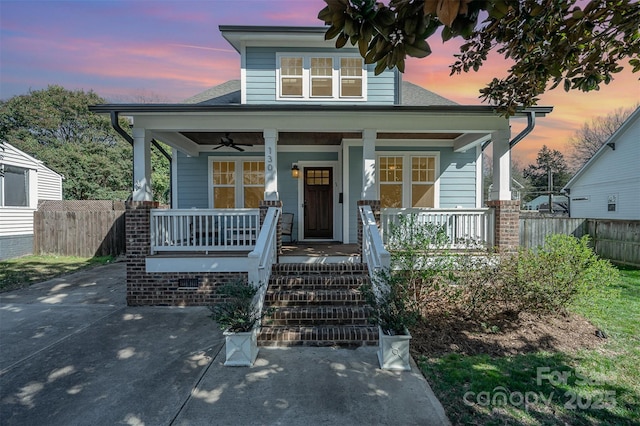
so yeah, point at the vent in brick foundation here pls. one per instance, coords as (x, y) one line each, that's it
(189, 282)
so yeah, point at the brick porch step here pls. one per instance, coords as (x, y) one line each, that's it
(317, 305)
(310, 315)
(317, 282)
(321, 335)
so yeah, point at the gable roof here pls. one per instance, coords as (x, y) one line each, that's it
(23, 159)
(229, 93)
(635, 116)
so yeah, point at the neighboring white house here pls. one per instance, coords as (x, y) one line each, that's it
(559, 203)
(608, 185)
(23, 182)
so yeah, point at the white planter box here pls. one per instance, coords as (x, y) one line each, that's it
(241, 348)
(393, 351)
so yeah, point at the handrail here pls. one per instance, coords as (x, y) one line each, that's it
(263, 256)
(378, 259)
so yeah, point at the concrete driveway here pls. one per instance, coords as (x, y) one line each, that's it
(72, 353)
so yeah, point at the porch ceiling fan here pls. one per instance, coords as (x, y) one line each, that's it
(226, 141)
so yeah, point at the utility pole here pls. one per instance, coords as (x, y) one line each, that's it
(550, 191)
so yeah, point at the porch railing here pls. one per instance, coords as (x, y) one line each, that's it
(204, 230)
(464, 228)
(377, 258)
(265, 254)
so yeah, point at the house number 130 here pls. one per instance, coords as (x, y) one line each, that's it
(269, 161)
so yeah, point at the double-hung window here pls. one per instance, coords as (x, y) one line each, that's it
(320, 77)
(408, 180)
(230, 191)
(14, 186)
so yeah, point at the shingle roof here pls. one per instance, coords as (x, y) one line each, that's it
(229, 93)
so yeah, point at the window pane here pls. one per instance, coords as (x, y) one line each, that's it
(321, 66)
(253, 173)
(15, 186)
(252, 196)
(422, 195)
(390, 169)
(350, 87)
(391, 195)
(423, 169)
(321, 87)
(350, 67)
(291, 87)
(224, 197)
(291, 66)
(224, 173)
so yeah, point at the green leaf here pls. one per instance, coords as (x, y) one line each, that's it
(380, 66)
(332, 32)
(420, 49)
(341, 41)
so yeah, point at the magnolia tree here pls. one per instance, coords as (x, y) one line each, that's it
(576, 44)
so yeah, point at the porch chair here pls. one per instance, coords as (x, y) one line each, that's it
(287, 225)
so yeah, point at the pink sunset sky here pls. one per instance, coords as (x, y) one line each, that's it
(169, 50)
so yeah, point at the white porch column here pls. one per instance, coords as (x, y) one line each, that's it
(369, 187)
(271, 164)
(501, 189)
(141, 166)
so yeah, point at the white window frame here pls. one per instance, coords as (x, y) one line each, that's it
(407, 178)
(336, 77)
(27, 172)
(239, 181)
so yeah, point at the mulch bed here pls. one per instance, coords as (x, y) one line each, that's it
(438, 335)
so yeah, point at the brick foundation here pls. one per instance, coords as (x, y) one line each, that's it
(375, 208)
(507, 224)
(162, 288)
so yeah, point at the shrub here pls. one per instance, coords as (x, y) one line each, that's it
(237, 311)
(550, 278)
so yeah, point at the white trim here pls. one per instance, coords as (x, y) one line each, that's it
(479, 180)
(243, 73)
(309, 148)
(306, 77)
(174, 178)
(337, 210)
(239, 193)
(195, 264)
(406, 173)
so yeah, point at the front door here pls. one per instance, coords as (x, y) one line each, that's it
(318, 202)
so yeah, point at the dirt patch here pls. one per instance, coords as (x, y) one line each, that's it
(438, 335)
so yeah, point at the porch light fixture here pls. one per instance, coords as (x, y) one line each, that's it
(295, 171)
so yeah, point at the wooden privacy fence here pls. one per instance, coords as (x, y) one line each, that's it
(83, 228)
(617, 240)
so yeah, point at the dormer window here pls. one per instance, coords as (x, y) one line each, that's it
(318, 77)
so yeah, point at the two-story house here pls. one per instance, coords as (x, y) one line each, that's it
(308, 130)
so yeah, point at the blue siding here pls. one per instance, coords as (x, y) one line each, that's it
(192, 181)
(261, 77)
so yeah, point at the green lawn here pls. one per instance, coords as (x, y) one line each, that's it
(592, 387)
(23, 271)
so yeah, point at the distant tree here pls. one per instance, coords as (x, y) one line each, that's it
(587, 140)
(547, 162)
(55, 126)
(550, 43)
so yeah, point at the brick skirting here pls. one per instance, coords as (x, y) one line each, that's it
(163, 288)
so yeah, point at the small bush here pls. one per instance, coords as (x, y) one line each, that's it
(237, 312)
(550, 278)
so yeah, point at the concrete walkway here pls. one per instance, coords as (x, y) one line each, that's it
(72, 353)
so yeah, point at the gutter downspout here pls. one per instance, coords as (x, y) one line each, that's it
(116, 126)
(531, 124)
